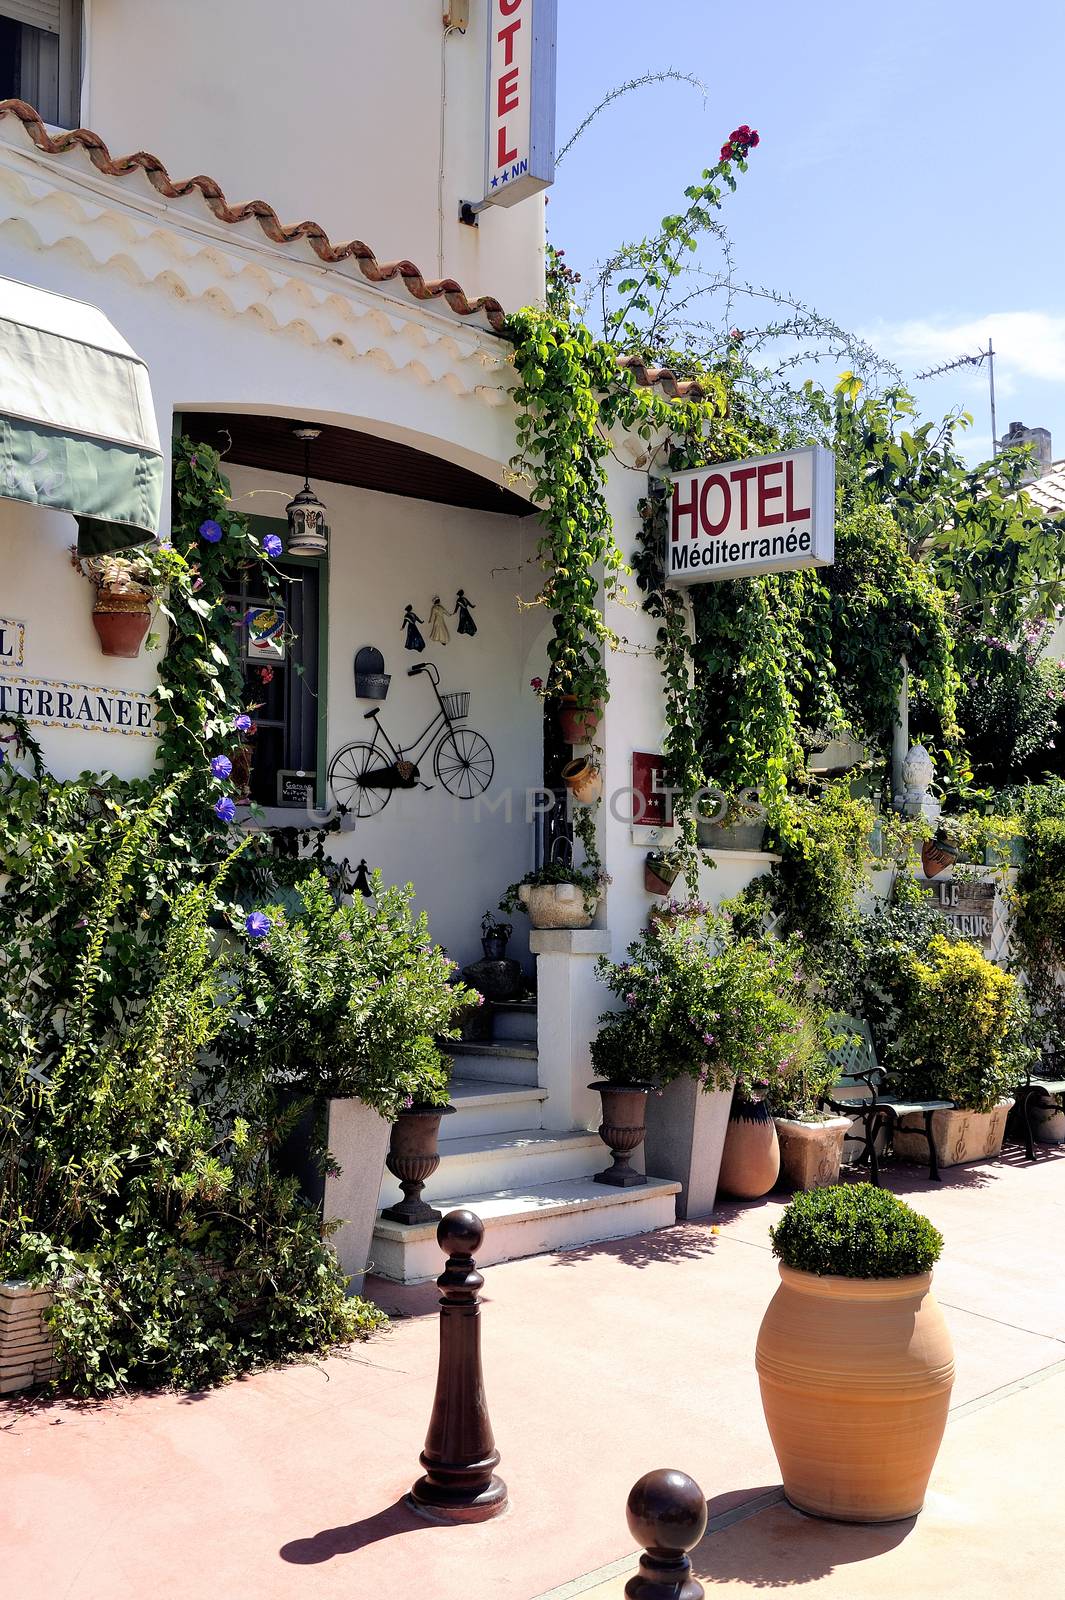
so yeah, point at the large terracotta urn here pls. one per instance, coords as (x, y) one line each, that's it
(750, 1161)
(856, 1375)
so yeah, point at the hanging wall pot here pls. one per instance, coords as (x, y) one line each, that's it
(583, 780)
(371, 679)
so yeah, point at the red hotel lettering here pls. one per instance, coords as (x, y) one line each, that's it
(768, 519)
(743, 476)
(507, 98)
(690, 510)
(508, 86)
(794, 513)
(715, 481)
(505, 37)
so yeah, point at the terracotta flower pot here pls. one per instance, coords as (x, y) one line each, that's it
(121, 621)
(584, 780)
(958, 1135)
(658, 878)
(577, 724)
(855, 1375)
(413, 1157)
(622, 1130)
(811, 1152)
(750, 1161)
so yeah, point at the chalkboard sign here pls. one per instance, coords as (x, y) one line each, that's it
(295, 788)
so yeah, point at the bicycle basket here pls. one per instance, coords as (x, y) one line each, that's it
(457, 705)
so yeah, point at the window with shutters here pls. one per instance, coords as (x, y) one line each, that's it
(40, 57)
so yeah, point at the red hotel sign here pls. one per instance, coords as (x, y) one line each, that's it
(521, 99)
(741, 518)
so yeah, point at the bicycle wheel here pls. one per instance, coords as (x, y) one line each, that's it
(464, 763)
(350, 764)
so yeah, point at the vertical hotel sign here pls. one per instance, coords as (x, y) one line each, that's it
(521, 99)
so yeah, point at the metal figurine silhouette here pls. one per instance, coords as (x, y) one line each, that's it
(439, 632)
(361, 881)
(462, 610)
(414, 640)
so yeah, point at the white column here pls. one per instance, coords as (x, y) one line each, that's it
(569, 1000)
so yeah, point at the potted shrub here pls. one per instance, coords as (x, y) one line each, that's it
(495, 936)
(620, 1056)
(740, 825)
(811, 1142)
(341, 1009)
(557, 895)
(961, 1038)
(122, 610)
(854, 1359)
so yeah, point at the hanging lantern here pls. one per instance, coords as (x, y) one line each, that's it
(308, 534)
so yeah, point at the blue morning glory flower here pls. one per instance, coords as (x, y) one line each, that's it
(257, 925)
(221, 767)
(210, 531)
(272, 545)
(242, 723)
(224, 809)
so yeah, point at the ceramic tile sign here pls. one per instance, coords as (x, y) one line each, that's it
(266, 633)
(651, 808)
(54, 704)
(12, 643)
(738, 519)
(970, 908)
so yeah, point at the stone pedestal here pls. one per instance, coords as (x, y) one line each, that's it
(570, 1000)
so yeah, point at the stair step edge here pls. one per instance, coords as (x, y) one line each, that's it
(501, 1207)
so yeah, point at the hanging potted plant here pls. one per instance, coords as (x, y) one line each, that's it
(961, 1039)
(122, 610)
(583, 780)
(661, 869)
(854, 1359)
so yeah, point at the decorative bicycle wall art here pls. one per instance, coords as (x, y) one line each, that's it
(363, 775)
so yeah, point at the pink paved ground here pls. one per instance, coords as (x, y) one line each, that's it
(600, 1364)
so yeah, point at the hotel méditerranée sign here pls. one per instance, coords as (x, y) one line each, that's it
(741, 518)
(521, 99)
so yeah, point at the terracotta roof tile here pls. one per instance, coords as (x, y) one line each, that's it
(661, 377)
(417, 285)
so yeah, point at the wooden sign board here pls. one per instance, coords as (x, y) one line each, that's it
(969, 906)
(650, 807)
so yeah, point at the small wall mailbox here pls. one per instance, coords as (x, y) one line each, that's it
(371, 679)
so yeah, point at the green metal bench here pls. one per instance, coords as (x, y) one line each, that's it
(1028, 1095)
(879, 1111)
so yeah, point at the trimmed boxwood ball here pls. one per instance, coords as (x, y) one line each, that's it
(855, 1230)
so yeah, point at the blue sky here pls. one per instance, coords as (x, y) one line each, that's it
(908, 182)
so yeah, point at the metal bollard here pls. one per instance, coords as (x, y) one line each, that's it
(460, 1456)
(666, 1513)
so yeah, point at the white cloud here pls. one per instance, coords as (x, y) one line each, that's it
(1028, 344)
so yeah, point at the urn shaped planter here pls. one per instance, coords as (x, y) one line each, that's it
(750, 1161)
(855, 1376)
(622, 1130)
(413, 1157)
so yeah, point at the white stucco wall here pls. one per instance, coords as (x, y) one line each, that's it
(330, 111)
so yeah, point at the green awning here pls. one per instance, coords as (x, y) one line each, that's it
(77, 423)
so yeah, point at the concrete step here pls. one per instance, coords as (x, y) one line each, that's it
(483, 1163)
(527, 1222)
(514, 1019)
(483, 1107)
(507, 1062)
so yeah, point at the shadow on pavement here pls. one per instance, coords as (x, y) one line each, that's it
(329, 1543)
(781, 1547)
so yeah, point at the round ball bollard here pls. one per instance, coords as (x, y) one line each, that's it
(460, 1457)
(666, 1513)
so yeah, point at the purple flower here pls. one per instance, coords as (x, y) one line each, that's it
(210, 531)
(257, 925)
(242, 723)
(630, 998)
(272, 545)
(224, 809)
(221, 767)
(408, 1102)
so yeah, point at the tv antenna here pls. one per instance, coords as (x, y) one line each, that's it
(977, 360)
